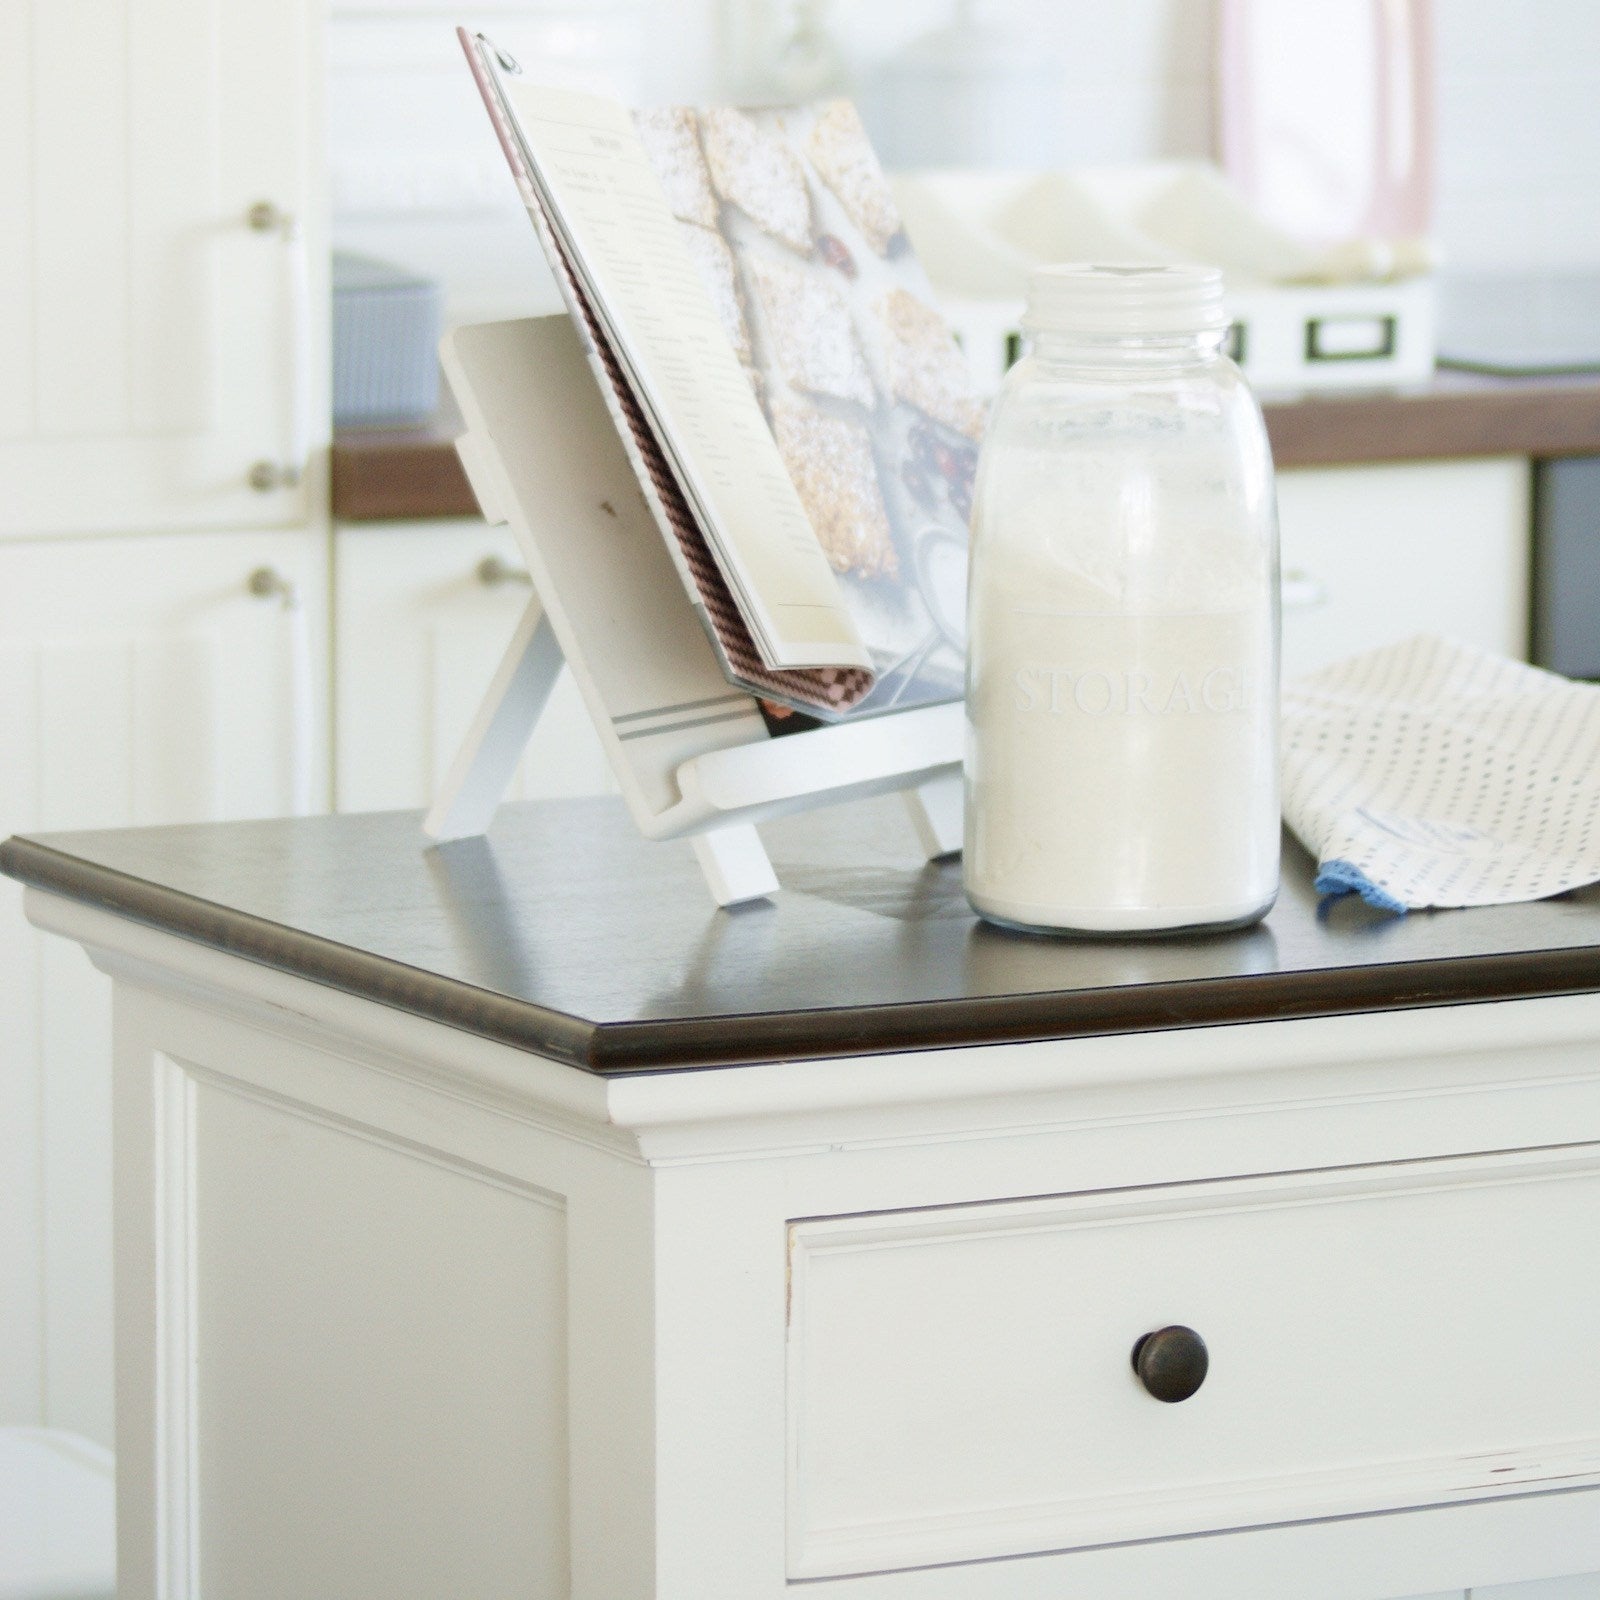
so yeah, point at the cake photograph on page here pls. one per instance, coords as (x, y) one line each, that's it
(794, 229)
(826, 327)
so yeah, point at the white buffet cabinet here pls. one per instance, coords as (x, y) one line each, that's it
(807, 1282)
(161, 436)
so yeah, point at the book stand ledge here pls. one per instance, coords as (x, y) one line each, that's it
(691, 753)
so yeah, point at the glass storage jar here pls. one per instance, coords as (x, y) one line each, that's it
(1122, 678)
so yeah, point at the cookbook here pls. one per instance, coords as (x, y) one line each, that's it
(795, 408)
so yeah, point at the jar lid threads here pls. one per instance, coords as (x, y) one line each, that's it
(1125, 301)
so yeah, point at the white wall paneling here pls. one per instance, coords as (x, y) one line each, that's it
(21, 1087)
(1519, 142)
(140, 682)
(157, 346)
(419, 634)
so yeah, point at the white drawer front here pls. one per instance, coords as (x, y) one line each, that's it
(960, 1383)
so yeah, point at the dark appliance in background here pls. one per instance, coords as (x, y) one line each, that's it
(1543, 325)
(1566, 566)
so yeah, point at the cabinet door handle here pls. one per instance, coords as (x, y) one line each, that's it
(492, 572)
(265, 217)
(1172, 1362)
(267, 583)
(265, 476)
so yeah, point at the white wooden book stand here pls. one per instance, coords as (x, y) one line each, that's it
(691, 753)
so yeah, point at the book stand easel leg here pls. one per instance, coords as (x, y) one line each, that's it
(936, 814)
(735, 863)
(481, 772)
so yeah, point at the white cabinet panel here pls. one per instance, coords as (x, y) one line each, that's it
(81, 329)
(301, 1226)
(418, 636)
(1373, 554)
(155, 344)
(140, 682)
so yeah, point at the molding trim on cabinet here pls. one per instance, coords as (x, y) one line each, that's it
(177, 1501)
(390, 1040)
(1421, 1064)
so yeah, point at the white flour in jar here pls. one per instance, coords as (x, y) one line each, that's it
(1127, 779)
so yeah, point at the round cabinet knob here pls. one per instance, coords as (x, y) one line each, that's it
(1171, 1362)
(267, 583)
(265, 476)
(265, 217)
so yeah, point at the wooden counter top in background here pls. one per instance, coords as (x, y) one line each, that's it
(381, 474)
(1458, 414)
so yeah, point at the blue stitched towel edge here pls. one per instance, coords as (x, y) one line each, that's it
(1345, 877)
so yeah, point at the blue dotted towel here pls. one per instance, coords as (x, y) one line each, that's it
(1428, 774)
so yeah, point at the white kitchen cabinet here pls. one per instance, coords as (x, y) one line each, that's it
(421, 625)
(1372, 554)
(140, 682)
(163, 345)
(163, 266)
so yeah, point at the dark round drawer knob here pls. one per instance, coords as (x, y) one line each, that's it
(1171, 1362)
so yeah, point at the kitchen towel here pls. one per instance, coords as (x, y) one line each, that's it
(1428, 774)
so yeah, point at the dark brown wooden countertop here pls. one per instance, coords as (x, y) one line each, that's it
(565, 933)
(384, 474)
(1458, 414)
(381, 474)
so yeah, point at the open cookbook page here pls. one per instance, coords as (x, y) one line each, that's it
(793, 226)
(826, 692)
(795, 407)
